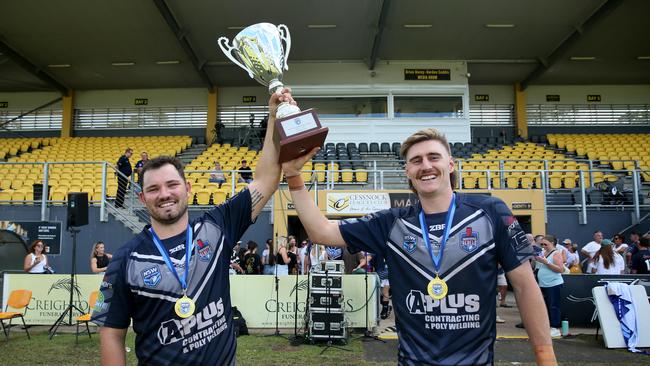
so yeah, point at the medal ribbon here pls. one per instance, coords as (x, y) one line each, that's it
(437, 259)
(165, 255)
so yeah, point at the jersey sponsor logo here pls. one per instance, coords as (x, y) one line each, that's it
(204, 250)
(513, 225)
(177, 248)
(151, 276)
(419, 303)
(469, 240)
(100, 305)
(437, 227)
(410, 243)
(195, 331)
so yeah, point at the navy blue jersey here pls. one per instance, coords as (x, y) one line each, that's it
(139, 286)
(459, 329)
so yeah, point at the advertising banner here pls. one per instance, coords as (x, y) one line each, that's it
(254, 296)
(51, 294)
(357, 203)
(48, 232)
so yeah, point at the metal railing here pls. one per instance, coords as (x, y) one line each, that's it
(588, 114)
(45, 119)
(587, 191)
(491, 115)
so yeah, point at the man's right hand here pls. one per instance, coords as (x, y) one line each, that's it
(293, 167)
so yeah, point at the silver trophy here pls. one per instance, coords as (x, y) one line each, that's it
(258, 49)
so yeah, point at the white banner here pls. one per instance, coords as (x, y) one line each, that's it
(357, 203)
(253, 295)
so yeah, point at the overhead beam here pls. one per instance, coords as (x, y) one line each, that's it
(181, 36)
(569, 41)
(381, 24)
(31, 67)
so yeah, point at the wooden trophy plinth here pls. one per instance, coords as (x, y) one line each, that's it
(298, 134)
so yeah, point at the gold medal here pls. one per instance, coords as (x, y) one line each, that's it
(437, 288)
(184, 307)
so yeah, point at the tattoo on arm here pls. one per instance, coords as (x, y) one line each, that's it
(256, 198)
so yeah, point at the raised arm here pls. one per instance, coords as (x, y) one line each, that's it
(530, 301)
(318, 227)
(267, 172)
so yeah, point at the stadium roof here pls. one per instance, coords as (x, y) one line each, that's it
(126, 44)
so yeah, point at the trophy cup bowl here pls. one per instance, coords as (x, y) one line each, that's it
(259, 50)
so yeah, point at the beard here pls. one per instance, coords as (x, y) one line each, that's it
(169, 218)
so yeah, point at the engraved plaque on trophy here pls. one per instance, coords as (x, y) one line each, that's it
(259, 50)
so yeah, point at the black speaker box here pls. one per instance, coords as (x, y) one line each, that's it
(77, 209)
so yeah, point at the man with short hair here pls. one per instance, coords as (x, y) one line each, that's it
(245, 173)
(124, 169)
(641, 260)
(443, 255)
(633, 248)
(590, 249)
(140, 164)
(171, 280)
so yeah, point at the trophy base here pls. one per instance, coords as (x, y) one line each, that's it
(298, 134)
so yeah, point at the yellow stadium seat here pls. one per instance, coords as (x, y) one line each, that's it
(362, 176)
(512, 182)
(203, 197)
(469, 182)
(5, 197)
(219, 197)
(347, 176)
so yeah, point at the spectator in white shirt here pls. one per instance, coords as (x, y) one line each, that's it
(591, 248)
(572, 257)
(619, 244)
(607, 261)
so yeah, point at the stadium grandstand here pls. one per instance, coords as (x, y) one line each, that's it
(546, 105)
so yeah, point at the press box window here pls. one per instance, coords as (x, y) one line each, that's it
(439, 107)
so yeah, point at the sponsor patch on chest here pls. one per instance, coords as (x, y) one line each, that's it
(204, 250)
(469, 240)
(410, 243)
(151, 276)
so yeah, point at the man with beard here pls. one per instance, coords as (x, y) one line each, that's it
(171, 280)
(443, 255)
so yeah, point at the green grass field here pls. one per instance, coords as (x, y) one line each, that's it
(252, 350)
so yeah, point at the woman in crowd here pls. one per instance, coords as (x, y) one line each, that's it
(99, 259)
(607, 261)
(268, 258)
(252, 262)
(619, 244)
(217, 175)
(292, 252)
(550, 281)
(282, 259)
(36, 260)
(572, 257)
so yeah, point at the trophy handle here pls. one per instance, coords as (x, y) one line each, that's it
(227, 50)
(284, 35)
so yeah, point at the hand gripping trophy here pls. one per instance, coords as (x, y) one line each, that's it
(258, 49)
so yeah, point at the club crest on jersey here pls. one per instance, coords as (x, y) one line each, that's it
(204, 250)
(469, 240)
(151, 276)
(410, 243)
